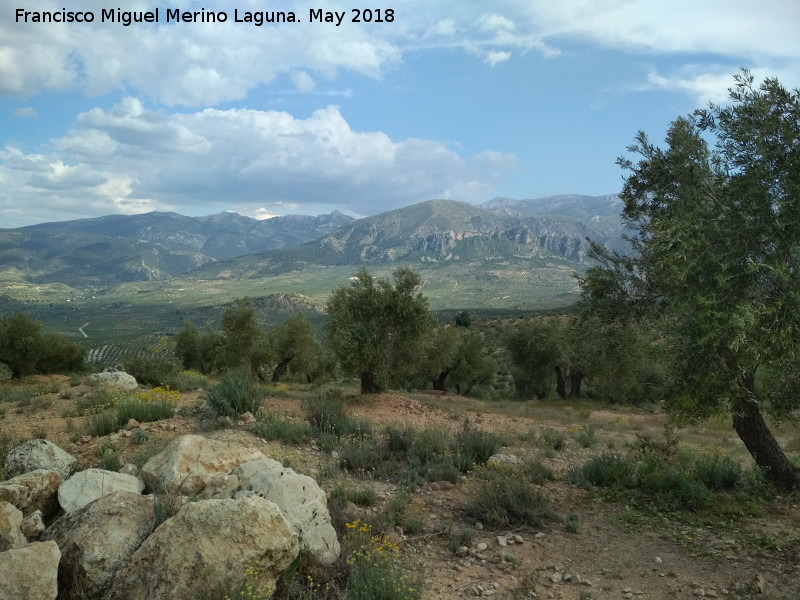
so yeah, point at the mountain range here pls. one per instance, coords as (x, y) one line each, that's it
(436, 236)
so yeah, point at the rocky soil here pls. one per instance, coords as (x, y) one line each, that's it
(621, 549)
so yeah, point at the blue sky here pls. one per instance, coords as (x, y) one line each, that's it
(453, 99)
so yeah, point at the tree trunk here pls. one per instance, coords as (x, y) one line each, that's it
(280, 369)
(575, 380)
(438, 381)
(758, 439)
(561, 387)
(369, 384)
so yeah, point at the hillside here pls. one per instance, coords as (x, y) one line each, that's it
(106, 251)
(436, 232)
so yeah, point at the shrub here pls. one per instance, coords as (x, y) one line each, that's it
(718, 472)
(536, 472)
(189, 380)
(363, 454)
(101, 423)
(606, 470)
(152, 370)
(586, 437)
(374, 569)
(477, 445)
(326, 415)
(572, 523)
(140, 436)
(400, 441)
(553, 438)
(270, 427)
(668, 484)
(234, 395)
(502, 499)
(462, 536)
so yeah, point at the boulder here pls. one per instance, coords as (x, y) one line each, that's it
(11, 535)
(190, 462)
(96, 540)
(205, 549)
(32, 525)
(30, 572)
(89, 485)
(33, 491)
(117, 379)
(301, 501)
(39, 454)
(497, 460)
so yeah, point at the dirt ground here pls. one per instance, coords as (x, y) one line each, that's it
(620, 550)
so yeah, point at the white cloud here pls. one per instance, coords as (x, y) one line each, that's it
(129, 158)
(303, 82)
(26, 112)
(496, 57)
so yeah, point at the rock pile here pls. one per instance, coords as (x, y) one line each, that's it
(211, 511)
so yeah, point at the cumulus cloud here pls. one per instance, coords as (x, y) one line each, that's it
(129, 158)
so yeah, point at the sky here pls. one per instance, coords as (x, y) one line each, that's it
(458, 99)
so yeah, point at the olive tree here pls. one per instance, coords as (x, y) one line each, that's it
(376, 328)
(715, 257)
(26, 349)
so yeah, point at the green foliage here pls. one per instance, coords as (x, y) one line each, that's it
(476, 445)
(572, 523)
(605, 470)
(714, 261)
(200, 351)
(456, 358)
(586, 437)
(327, 416)
(25, 349)
(139, 436)
(143, 411)
(553, 438)
(501, 499)
(718, 472)
(102, 423)
(535, 350)
(460, 536)
(234, 395)
(189, 380)
(376, 329)
(374, 569)
(295, 346)
(151, 369)
(270, 427)
(246, 344)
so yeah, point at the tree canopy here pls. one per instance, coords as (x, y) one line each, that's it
(715, 258)
(26, 349)
(376, 329)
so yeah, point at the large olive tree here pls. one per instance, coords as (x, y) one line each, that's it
(376, 329)
(716, 257)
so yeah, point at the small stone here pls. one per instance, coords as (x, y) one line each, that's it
(502, 541)
(711, 593)
(539, 535)
(626, 590)
(758, 584)
(478, 525)
(658, 560)
(627, 596)
(699, 592)
(556, 577)
(482, 547)
(488, 592)
(132, 424)
(518, 538)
